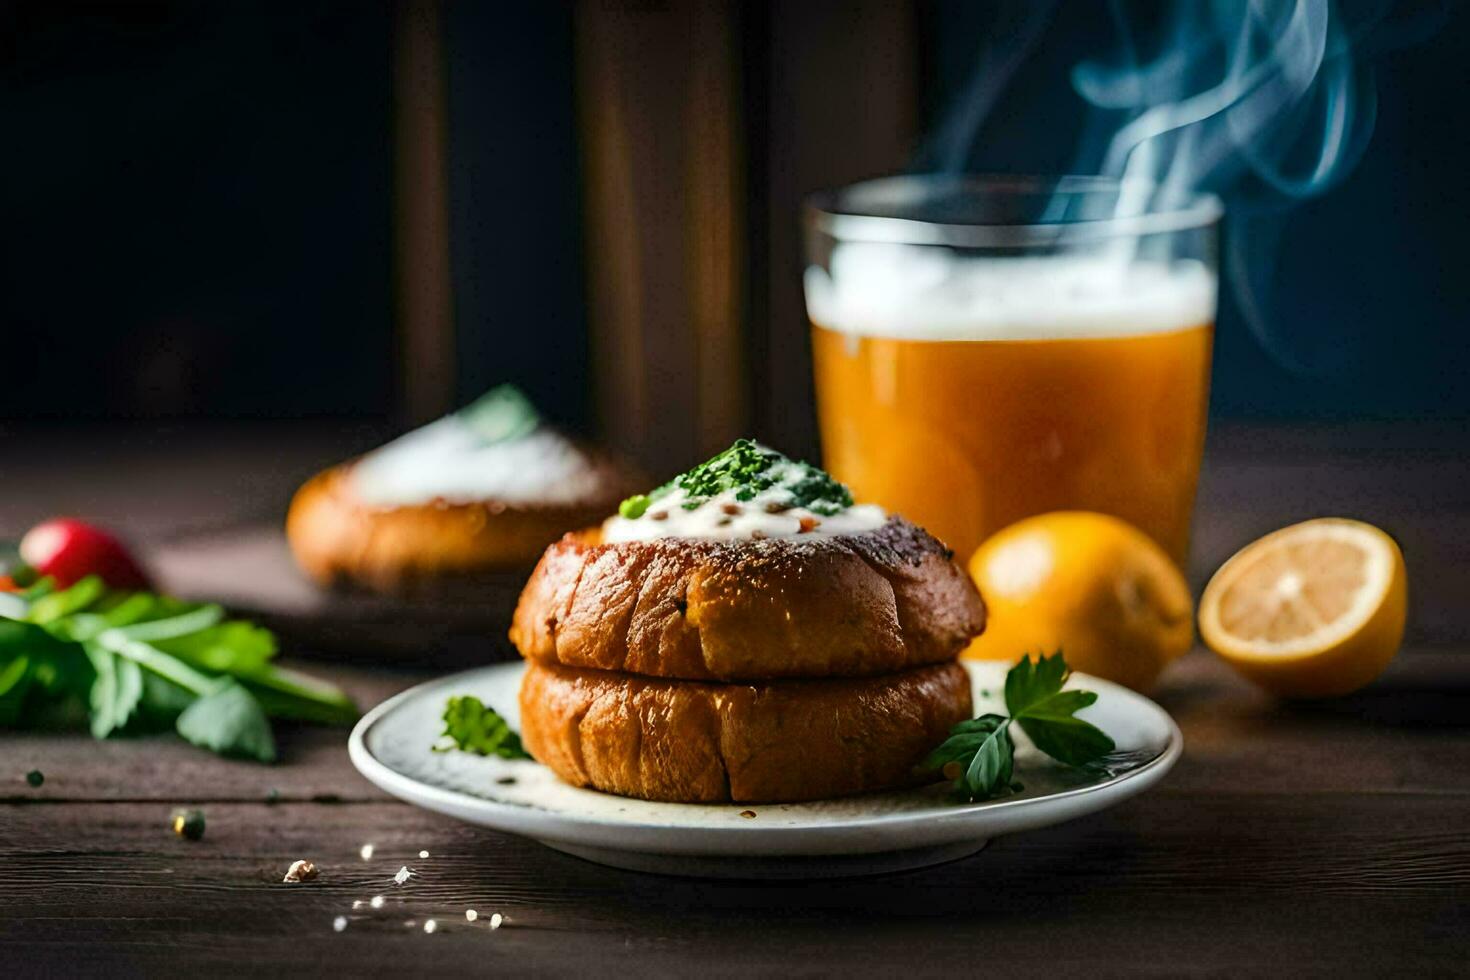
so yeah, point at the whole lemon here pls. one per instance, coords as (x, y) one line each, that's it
(1090, 585)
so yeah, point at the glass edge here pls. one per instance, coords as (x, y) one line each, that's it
(819, 213)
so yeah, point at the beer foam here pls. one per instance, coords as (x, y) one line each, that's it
(911, 292)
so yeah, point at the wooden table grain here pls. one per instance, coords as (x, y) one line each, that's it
(1300, 839)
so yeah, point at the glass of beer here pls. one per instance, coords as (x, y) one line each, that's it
(989, 348)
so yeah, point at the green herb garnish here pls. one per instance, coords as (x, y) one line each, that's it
(471, 726)
(135, 662)
(35, 779)
(501, 414)
(747, 468)
(979, 754)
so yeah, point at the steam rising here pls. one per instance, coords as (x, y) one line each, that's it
(1286, 105)
(1264, 102)
(1260, 89)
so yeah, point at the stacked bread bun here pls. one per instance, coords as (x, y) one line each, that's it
(744, 641)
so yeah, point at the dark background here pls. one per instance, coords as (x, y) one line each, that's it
(197, 214)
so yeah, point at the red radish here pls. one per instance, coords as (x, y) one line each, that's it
(69, 550)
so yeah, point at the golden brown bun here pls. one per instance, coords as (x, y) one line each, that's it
(692, 742)
(850, 605)
(337, 539)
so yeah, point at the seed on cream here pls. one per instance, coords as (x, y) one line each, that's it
(767, 515)
(747, 492)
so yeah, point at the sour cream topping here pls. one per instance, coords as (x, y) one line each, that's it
(447, 460)
(723, 517)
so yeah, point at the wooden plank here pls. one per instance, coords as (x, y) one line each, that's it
(661, 126)
(249, 569)
(426, 354)
(839, 105)
(1301, 838)
(1241, 882)
(1404, 733)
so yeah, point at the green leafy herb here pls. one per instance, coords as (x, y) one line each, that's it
(748, 469)
(501, 414)
(35, 778)
(471, 726)
(134, 661)
(979, 754)
(116, 690)
(231, 722)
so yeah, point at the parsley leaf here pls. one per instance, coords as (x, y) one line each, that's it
(979, 754)
(130, 661)
(747, 468)
(1067, 739)
(471, 726)
(116, 690)
(229, 721)
(1031, 681)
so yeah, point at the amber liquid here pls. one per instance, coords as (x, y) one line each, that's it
(966, 437)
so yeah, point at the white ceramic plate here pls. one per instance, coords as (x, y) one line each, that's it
(872, 833)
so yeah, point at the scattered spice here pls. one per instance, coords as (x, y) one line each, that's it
(430, 925)
(732, 509)
(470, 915)
(659, 515)
(496, 920)
(35, 778)
(377, 902)
(300, 871)
(339, 923)
(188, 824)
(748, 814)
(809, 524)
(367, 852)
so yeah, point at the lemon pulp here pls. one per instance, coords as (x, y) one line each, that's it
(1316, 609)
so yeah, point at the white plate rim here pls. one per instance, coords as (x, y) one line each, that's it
(859, 835)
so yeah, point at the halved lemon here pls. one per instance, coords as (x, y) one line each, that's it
(1314, 610)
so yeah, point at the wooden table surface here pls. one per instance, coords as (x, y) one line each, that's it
(1323, 839)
